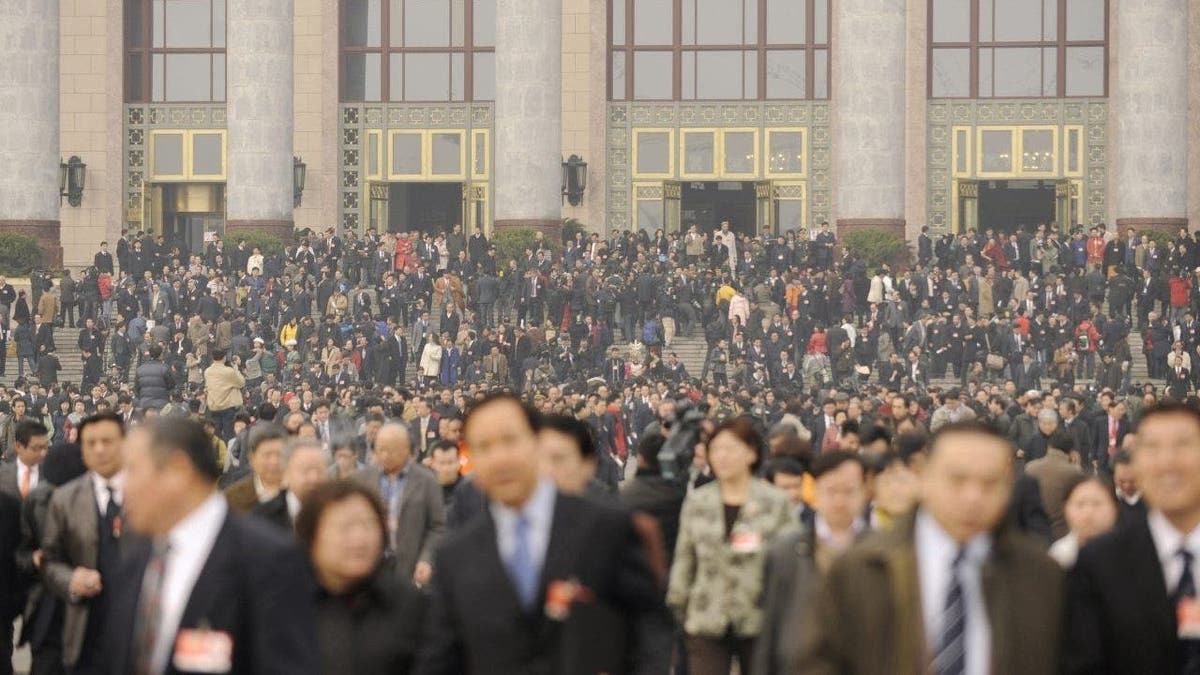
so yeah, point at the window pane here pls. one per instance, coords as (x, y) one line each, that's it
(687, 73)
(156, 77)
(786, 154)
(447, 154)
(649, 215)
(687, 22)
(789, 214)
(168, 154)
(652, 75)
(785, 22)
(484, 22)
(618, 75)
(363, 23)
(698, 152)
(718, 75)
(396, 77)
(820, 21)
(133, 23)
(206, 155)
(997, 151)
(189, 23)
(156, 24)
(1019, 20)
(362, 79)
(218, 74)
(189, 77)
(458, 77)
(718, 22)
(653, 22)
(133, 78)
(426, 77)
(951, 73)
(750, 23)
(1073, 150)
(986, 73)
(653, 152)
(1050, 20)
(750, 74)
(406, 154)
(458, 22)
(785, 73)
(1037, 150)
(480, 157)
(951, 20)
(1049, 71)
(985, 21)
(484, 77)
(427, 23)
(372, 155)
(1085, 71)
(739, 152)
(396, 22)
(821, 73)
(962, 158)
(218, 23)
(1018, 72)
(1085, 19)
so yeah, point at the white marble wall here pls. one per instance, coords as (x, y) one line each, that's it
(868, 115)
(1148, 99)
(29, 119)
(528, 164)
(260, 103)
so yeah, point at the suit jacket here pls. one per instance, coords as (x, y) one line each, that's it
(70, 539)
(422, 517)
(1025, 509)
(275, 511)
(414, 433)
(478, 626)
(867, 616)
(1119, 616)
(255, 586)
(1054, 474)
(12, 586)
(8, 479)
(242, 496)
(1100, 437)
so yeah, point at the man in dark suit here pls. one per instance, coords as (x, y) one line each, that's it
(31, 443)
(1179, 380)
(305, 466)
(422, 430)
(209, 590)
(82, 543)
(1131, 602)
(1109, 435)
(540, 582)
(12, 588)
(265, 479)
(915, 599)
(412, 496)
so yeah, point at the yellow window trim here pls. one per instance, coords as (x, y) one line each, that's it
(1016, 150)
(462, 154)
(803, 131)
(487, 153)
(755, 153)
(1066, 151)
(959, 151)
(374, 141)
(187, 139)
(716, 154)
(670, 132)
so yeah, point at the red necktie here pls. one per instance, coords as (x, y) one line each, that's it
(25, 482)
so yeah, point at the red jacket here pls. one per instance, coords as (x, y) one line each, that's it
(1086, 326)
(818, 344)
(1181, 290)
(1095, 249)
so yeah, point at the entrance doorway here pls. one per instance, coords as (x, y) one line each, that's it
(183, 212)
(424, 207)
(1006, 205)
(707, 204)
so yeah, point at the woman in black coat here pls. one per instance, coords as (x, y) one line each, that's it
(369, 620)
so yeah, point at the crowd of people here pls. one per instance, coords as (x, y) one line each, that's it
(411, 452)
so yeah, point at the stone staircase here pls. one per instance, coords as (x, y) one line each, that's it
(66, 345)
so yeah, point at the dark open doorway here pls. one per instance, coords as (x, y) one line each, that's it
(1006, 205)
(707, 204)
(424, 207)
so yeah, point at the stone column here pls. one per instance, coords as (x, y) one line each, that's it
(259, 94)
(528, 163)
(868, 114)
(29, 124)
(1148, 113)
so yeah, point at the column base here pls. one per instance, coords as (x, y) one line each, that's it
(846, 225)
(1168, 225)
(284, 230)
(551, 228)
(48, 234)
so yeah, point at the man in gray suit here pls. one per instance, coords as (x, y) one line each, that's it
(412, 496)
(81, 541)
(31, 442)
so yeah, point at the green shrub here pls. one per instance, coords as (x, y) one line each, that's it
(511, 243)
(267, 243)
(20, 254)
(876, 247)
(1159, 237)
(570, 227)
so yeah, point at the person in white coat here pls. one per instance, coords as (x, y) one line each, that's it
(431, 359)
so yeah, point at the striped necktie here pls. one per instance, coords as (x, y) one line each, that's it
(950, 655)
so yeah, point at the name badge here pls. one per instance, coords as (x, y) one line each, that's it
(745, 542)
(1187, 615)
(203, 651)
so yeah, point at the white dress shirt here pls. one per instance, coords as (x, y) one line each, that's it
(34, 475)
(191, 542)
(293, 504)
(1168, 541)
(539, 511)
(936, 551)
(101, 485)
(264, 493)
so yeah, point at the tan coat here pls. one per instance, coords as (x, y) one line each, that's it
(48, 307)
(867, 619)
(987, 305)
(715, 585)
(223, 385)
(1054, 474)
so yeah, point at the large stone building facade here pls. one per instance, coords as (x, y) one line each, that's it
(191, 115)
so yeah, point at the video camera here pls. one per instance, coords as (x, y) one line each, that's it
(675, 457)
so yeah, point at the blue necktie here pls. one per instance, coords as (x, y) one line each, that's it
(520, 565)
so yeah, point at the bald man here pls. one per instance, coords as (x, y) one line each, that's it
(413, 500)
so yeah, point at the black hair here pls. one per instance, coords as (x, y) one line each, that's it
(27, 430)
(1061, 440)
(829, 461)
(579, 432)
(96, 418)
(261, 433)
(190, 438)
(791, 466)
(967, 427)
(530, 417)
(444, 445)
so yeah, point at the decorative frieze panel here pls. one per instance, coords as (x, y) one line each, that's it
(138, 121)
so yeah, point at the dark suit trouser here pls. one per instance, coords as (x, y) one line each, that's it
(714, 656)
(224, 421)
(486, 310)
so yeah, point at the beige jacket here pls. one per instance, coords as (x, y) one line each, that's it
(223, 385)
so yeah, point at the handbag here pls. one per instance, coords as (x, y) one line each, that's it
(995, 362)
